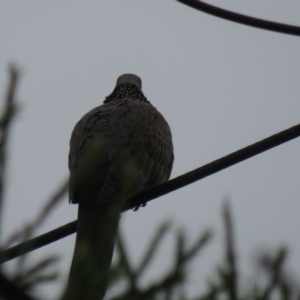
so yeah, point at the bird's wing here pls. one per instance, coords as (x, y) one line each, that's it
(141, 154)
(136, 153)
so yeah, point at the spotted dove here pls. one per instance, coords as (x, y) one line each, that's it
(117, 150)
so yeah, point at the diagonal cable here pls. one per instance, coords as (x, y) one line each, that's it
(242, 19)
(165, 188)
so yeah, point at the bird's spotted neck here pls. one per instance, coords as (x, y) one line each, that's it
(126, 90)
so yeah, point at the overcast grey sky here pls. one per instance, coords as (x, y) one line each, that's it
(220, 85)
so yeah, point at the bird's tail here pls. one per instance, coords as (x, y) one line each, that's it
(97, 229)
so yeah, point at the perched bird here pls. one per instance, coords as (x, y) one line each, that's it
(117, 150)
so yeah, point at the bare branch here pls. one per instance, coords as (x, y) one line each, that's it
(230, 253)
(5, 124)
(9, 291)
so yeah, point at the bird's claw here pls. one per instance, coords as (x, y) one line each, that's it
(136, 208)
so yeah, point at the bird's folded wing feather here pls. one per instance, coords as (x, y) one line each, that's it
(136, 152)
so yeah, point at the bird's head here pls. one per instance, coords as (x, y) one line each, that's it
(129, 78)
(128, 86)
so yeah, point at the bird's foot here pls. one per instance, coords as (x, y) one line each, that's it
(136, 208)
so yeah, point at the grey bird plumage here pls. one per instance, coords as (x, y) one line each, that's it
(134, 152)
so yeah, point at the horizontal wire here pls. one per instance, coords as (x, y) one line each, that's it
(242, 19)
(165, 188)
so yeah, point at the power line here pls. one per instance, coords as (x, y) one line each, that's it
(38, 242)
(242, 19)
(165, 188)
